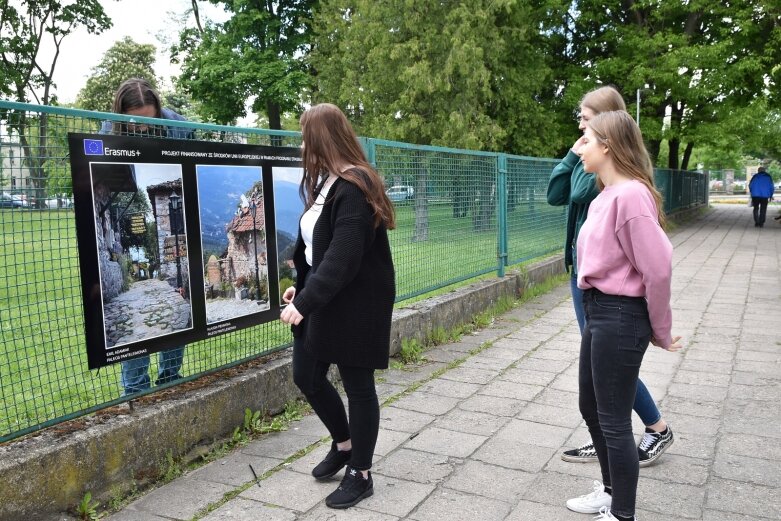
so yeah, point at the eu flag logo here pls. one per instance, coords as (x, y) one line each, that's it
(93, 147)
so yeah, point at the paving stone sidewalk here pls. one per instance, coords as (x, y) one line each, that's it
(481, 440)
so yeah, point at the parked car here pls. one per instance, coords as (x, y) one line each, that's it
(400, 193)
(12, 201)
(59, 202)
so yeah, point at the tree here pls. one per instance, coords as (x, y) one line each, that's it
(257, 53)
(125, 59)
(701, 60)
(465, 75)
(23, 74)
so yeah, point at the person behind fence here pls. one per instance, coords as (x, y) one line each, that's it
(571, 185)
(762, 190)
(136, 97)
(341, 305)
(625, 270)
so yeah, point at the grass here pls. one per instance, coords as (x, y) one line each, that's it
(43, 363)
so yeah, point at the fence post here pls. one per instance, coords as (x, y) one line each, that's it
(371, 151)
(501, 217)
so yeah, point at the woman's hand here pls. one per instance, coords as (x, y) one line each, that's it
(578, 144)
(290, 315)
(675, 346)
(289, 295)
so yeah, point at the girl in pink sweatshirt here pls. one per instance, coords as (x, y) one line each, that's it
(624, 269)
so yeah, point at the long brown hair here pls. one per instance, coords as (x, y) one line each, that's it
(603, 99)
(330, 143)
(623, 138)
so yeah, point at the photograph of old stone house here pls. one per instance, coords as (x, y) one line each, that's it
(142, 251)
(233, 241)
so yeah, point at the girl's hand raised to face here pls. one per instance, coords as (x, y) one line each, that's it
(578, 144)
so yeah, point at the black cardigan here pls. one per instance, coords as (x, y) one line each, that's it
(347, 299)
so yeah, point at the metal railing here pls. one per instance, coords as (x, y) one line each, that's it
(460, 214)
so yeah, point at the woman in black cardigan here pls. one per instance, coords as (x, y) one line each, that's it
(340, 308)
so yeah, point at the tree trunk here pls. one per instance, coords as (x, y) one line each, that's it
(421, 203)
(672, 159)
(274, 121)
(676, 115)
(34, 156)
(687, 154)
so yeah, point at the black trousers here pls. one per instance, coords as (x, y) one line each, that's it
(310, 375)
(613, 344)
(760, 209)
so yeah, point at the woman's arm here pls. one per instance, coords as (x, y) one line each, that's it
(559, 182)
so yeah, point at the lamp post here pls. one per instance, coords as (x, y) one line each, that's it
(252, 210)
(174, 213)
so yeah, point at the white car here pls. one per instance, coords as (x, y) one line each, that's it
(400, 193)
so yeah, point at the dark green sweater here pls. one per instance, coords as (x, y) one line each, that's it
(570, 185)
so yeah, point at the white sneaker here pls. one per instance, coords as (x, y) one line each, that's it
(592, 503)
(605, 515)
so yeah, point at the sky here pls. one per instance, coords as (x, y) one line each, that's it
(143, 20)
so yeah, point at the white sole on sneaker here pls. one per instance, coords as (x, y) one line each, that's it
(579, 459)
(650, 461)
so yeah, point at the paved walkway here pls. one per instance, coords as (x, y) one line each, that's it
(482, 440)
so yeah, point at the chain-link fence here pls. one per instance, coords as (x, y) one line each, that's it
(459, 214)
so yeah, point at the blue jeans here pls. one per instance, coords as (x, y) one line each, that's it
(135, 372)
(614, 342)
(644, 405)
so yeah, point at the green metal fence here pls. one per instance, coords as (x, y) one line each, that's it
(460, 214)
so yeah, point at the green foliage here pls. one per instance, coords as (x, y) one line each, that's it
(257, 52)
(125, 59)
(260, 423)
(125, 266)
(284, 283)
(411, 351)
(87, 509)
(439, 336)
(123, 206)
(26, 28)
(170, 468)
(704, 62)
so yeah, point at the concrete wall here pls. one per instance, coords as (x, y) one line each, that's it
(46, 474)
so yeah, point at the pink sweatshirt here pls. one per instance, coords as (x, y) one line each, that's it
(622, 250)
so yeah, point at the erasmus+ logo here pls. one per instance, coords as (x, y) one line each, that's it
(93, 147)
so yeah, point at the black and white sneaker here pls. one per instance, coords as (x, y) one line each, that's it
(351, 490)
(653, 444)
(583, 454)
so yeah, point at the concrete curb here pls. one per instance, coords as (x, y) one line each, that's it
(46, 474)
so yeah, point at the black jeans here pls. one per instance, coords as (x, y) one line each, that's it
(310, 375)
(614, 341)
(760, 209)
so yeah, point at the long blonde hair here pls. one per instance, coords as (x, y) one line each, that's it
(329, 142)
(623, 138)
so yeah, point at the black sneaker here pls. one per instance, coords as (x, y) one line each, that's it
(351, 490)
(332, 463)
(653, 444)
(583, 454)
